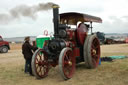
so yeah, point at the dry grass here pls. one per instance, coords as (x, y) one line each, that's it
(15, 46)
(115, 49)
(109, 73)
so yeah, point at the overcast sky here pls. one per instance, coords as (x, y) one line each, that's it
(113, 13)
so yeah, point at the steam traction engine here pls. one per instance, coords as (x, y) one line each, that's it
(69, 46)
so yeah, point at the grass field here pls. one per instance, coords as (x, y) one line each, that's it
(108, 73)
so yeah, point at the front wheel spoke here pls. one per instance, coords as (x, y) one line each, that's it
(37, 67)
(36, 63)
(40, 69)
(37, 60)
(41, 64)
(41, 73)
(40, 56)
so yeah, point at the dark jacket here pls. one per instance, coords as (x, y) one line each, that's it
(27, 50)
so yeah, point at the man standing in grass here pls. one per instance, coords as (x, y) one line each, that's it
(27, 52)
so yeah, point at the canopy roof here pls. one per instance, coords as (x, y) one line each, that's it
(73, 17)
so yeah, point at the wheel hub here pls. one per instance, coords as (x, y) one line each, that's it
(69, 63)
(4, 49)
(40, 63)
(94, 52)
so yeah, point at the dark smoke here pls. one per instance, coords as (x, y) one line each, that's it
(26, 11)
(5, 18)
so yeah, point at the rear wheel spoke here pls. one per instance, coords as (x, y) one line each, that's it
(93, 60)
(68, 66)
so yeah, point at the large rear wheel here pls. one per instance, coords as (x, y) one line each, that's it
(66, 63)
(40, 66)
(91, 51)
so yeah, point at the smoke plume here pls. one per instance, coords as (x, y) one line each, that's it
(24, 10)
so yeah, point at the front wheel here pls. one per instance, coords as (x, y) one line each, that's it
(40, 66)
(66, 63)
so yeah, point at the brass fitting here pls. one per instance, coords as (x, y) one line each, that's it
(55, 6)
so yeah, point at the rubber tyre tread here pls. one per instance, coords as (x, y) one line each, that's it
(4, 47)
(85, 50)
(87, 53)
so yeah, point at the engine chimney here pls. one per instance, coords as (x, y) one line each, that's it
(56, 19)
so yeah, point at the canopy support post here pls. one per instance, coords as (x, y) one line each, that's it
(91, 27)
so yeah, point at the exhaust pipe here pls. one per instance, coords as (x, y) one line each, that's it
(56, 19)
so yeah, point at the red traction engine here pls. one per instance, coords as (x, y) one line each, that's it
(69, 46)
